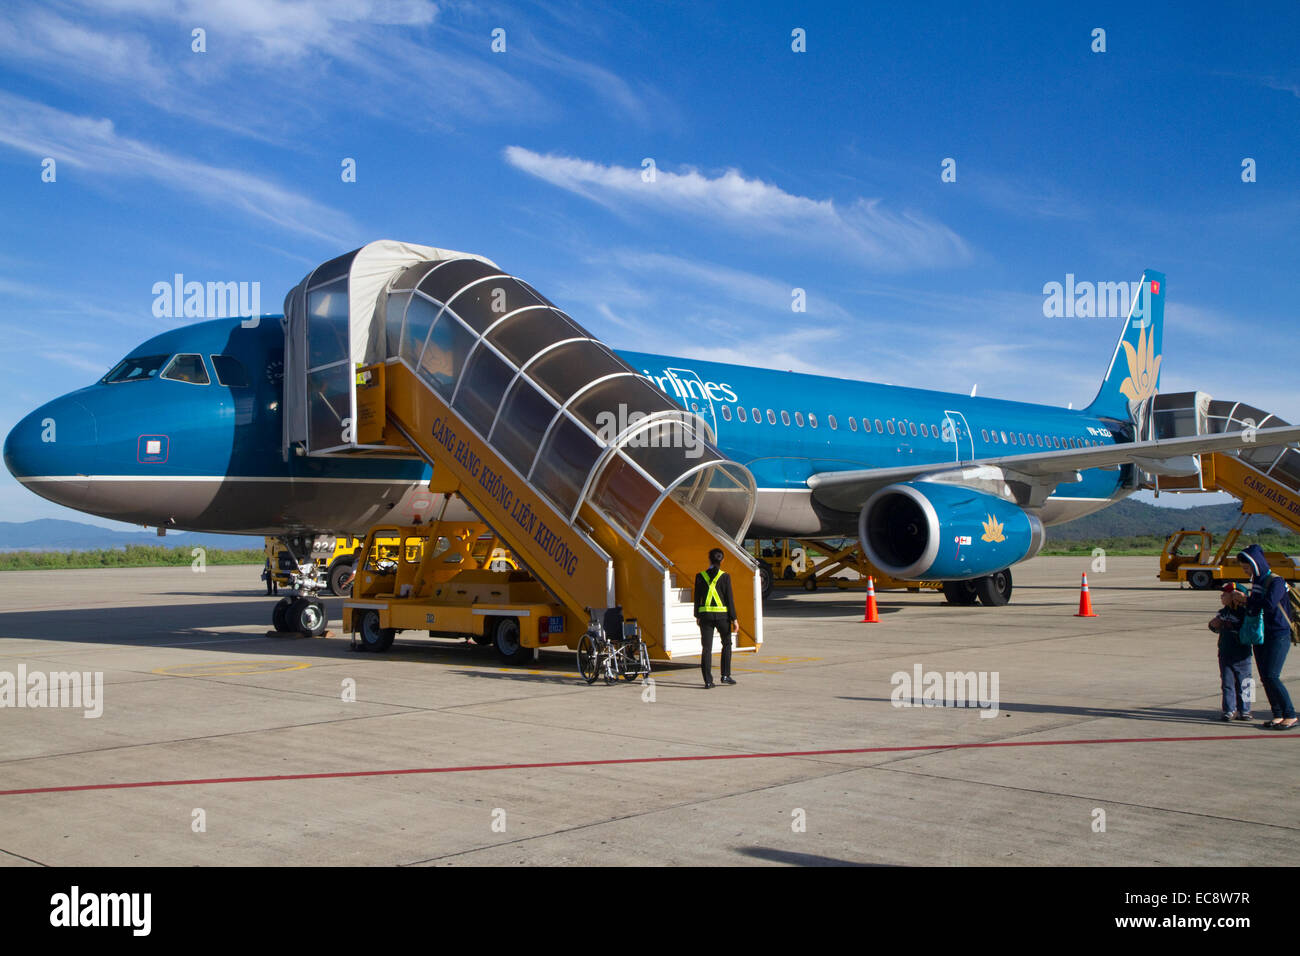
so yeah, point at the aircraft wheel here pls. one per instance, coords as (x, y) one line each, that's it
(307, 616)
(994, 589)
(374, 637)
(506, 642)
(280, 614)
(1201, 580)
(962, 593)
(340, 579)
(765, 580)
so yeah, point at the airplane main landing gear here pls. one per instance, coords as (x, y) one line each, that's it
(992, 590)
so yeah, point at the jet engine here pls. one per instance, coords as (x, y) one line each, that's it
(927, 531)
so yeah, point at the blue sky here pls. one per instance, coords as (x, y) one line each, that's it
(775, 169)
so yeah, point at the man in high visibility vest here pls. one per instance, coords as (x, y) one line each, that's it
(715, 609)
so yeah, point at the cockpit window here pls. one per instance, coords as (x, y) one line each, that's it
(230, 371)
(135, 368)
(187, 368)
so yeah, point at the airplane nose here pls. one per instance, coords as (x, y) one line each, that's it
(53, 450)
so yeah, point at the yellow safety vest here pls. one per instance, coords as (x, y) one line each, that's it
(712, 603)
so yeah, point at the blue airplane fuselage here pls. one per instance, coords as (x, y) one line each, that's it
(169, 453)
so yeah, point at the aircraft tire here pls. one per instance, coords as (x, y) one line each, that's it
(994, 589)
(961, 593)
(280, 615)
(307, 616)
(374, 637)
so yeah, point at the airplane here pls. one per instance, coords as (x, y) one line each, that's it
(186, 432)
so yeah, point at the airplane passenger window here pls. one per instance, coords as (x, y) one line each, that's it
(137, 368)
(187, 368)
(726, 413)
(853, 424)
(771, 417)
(758, 416)
(785, 417)
(889, 423)
(798, 419)
(230, 371)
(879, 426)
(740, 412)
(830, 420)
(1056, 442)
(925, 430)
(1022, 438)
(912, 428)
(1013, 438)
(812, 420)
(984, 434)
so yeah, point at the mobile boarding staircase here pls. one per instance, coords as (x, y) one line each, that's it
(1264, 478)
(604, 490)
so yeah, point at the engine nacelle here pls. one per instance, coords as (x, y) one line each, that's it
(926, 531)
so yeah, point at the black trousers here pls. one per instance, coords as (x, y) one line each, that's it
(708, 624)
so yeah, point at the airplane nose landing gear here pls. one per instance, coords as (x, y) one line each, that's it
(302, 612)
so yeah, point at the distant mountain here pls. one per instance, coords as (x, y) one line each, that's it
(53, 534)
(1130, 518)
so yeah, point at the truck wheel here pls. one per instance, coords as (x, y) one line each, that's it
(810, 583)
(307, 616)
(374, 637)
(279, 615)
(506, 641)
(961, 593)
(341, 572)
(765, 581)
(1201, 580)
(994, 590)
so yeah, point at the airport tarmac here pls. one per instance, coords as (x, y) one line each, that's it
(1106, 748)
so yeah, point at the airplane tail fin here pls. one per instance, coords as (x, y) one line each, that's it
(1133, 378)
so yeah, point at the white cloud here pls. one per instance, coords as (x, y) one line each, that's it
(863, 231)
(95, 147)
(278, 29)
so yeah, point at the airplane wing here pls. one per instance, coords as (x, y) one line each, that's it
(849, 490)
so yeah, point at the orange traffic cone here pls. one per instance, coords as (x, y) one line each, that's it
(1085, 601)
(872, 614)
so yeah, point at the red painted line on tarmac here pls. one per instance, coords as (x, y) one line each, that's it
(343, 774)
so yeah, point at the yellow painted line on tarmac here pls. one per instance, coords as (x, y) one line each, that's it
(231, 668)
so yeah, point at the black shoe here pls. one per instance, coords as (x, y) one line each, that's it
(708, 684)
(727, 680)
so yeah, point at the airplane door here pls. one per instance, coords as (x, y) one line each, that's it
(692, 385)
(957, 433)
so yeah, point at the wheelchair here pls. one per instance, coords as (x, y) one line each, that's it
(612, 648)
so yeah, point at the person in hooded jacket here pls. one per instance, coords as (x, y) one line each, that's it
(1268, 596)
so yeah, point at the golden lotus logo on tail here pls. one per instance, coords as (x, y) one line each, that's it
(992, 531)
(1143, 369)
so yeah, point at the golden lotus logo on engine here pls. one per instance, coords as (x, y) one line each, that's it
(992, 530)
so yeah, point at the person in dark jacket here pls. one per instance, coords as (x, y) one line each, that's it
(715, 609)
(1234, 656)
(1268, 596)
